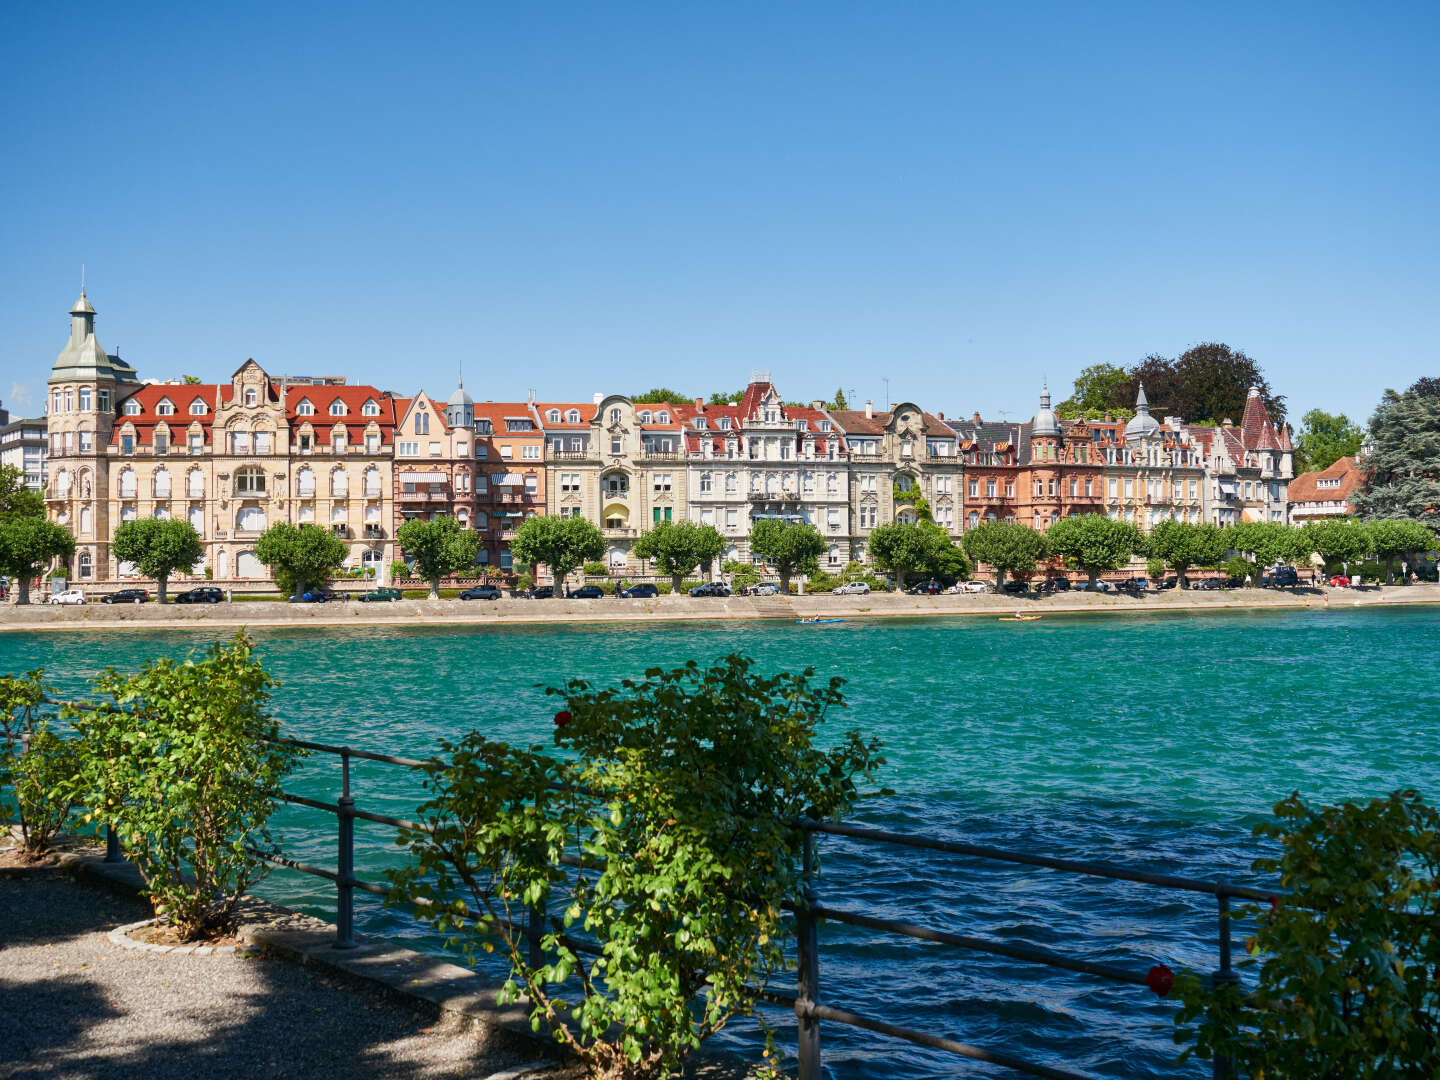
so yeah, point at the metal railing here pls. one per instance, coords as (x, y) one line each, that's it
(809, 913)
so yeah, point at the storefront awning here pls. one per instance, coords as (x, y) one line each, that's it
(509, 479)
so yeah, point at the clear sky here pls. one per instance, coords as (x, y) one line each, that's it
(606, 197)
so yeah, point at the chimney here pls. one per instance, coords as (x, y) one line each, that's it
(817, 405)
(1228, 423)
(599, 398)
(869, 410)
(532, 395)
(700, 404)
(940, 416)
(976, 418)
(1108, 418)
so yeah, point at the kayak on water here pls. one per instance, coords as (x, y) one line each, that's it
(817, 622)
(1019, 618)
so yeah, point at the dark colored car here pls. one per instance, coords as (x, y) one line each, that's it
(1060, 584)
(481, 592)
(711, 588)
(315, 596)
(1282, 577)
(1015, 588)
(204, 594)
(380, 595)
(587, 592)
(127, 596)
(926, 588)
(1167, 583)
(643, 591)
(542, 592)
(1211, 584)
(1134, 584)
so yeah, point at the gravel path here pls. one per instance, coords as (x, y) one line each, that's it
(73, 1005)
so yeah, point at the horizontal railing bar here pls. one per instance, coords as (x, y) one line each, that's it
(1029, 953)
(304, 868)
(368, 755)
(935, 1042)
(1092, 869)
(385, 819)
(301, 800)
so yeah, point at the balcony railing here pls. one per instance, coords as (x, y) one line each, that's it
(423, 496)
(619, 534)
(374, 532)
(573, 455)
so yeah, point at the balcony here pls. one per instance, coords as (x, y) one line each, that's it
(573, 455)
(423, 496)
(510, 498)
(342, 532)
(619, 534)
(773, 496)
(374, 532)
(662, 455)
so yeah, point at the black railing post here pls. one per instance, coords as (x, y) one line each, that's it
(112, 845)
(807, 964)
(1223, 976)
(345, 868)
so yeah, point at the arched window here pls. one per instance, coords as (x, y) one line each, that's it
(662, 418)
(85, 521)
(337, 408)
(85, 564)
(305, 408)
(195, 484)
(462, 516)
(165, 408)
(251, 397)
(62, 483)
(250, 519)
(573, 416)
(197, 407)
(372, 483)
(127, 484)
(643, 417)
(730, 482)
(305, 483)
(250, 481)
(132, 407)
(197, 519)
(339, 484)
(162, 484)
(615, 416)
(553, 416)
(370, 409)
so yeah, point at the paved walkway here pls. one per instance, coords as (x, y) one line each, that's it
(73, 1005)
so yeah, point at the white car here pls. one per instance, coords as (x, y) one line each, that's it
(971, 586)
(852, 588)
(69, 596)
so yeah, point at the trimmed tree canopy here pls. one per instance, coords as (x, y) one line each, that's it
(790, 547)
(1094, 543)
(677, 548)
(158, 548)
(562, 544)
(1009, 547)
(904, 548)
(1183, 545)
(15, 498)
(440, 548)
(28, 545)
(301, 557)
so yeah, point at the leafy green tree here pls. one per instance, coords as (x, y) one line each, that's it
(839, 401)
(28, 545)
(191, 380)
(677, 548)
(1094, 543)
(790, 547)
(1009, 547)
(1183, 545)
(661, 395)
(727, 399)
(440, 548)
(678, 793)
(904, 549)
(1094, 387)
(188, 770)
(398, 570)
(1266, 542)
(37, 765)
(16, 500)
(562, 544)
(1391, 538)
(1402, 465)
(301, 557)
(1238, 569)
(1325, 438)
(158, 548)
(1342, 974)
(742, 573)
(1206, 383)
(1339, 541)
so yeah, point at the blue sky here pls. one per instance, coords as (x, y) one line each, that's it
(581, 198)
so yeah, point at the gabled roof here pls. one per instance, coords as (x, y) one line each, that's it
(1306, 487)
(586, 409)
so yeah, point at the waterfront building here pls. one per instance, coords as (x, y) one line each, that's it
(1247, 469)
(1062, 469)
(761, 458)
(1153, 472)
(23, 446)
(1324, 493)
(896, 457)
(231, 458)
(511, 482)
(990, 455)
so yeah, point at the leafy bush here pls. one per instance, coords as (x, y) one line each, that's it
(1155, 568)
(1238, 567)
(524, 581)
(665, 588)
(398, 570)
(37, 765)
(679, 794)
(1348, 963)
(182, 764)
(743, 575)
(1371, 571)
(821, 582)
(595, 569)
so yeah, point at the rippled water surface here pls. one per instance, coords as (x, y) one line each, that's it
(1149, 741)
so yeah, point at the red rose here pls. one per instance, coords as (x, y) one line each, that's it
(562, 718)
(1160, 979)
(1274, 903)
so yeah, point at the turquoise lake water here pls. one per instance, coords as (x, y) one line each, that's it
(1153, 741)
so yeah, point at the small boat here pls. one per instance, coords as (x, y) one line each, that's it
(817, 622)
(1019, 618)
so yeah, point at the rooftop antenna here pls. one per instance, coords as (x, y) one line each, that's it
(82, 279)
(886, 381)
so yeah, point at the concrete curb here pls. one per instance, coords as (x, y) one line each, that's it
(121, 936)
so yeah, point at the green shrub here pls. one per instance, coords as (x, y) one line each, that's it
(1347, 964)
(596, 569)
(36, 765)
(1237, 568)
(1371, 571)
(524, 581)
(679, 794)
(821, 582)
(183, 765)
(398, 570)
(1155, 568)
(743, 576)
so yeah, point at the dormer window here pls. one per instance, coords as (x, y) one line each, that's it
(370, 409)
(132, 408)
(802, 425)
(614, 416)
(662, 418)
(165, 408)
(699, 423)
(251, 397)
(823, 425)
(197, 407)
(644, 417)
(337, 408)
(305, 408)
(553, 416)
(573, 416)
(724, 423)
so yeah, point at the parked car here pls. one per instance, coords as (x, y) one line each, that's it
(711, 588)
(1167, 583)
(644, 591)
(970, 587)
(852, 588)
(541, 592)
(1135, 584)
(587, 592)
(1060, 584)
(1282, 577)
(384, 593)
(201, 594)
(315, 596)
(481, 592)
(925, 588)
(763, 588)
(127, 596)
(1099, 586)
(68, 596)
(1340, 581)
(1211, 584)
(1015, 588)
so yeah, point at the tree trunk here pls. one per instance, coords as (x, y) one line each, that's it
(435, 588)
(1389, 569)
(676, 581)
(1181, 579)
(900, 577)
(1092, 576)
(22, 586)
(160, 582)
(784, 582)
(999, 579)
(557, 590)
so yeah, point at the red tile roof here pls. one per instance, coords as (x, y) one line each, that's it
(1306, 487)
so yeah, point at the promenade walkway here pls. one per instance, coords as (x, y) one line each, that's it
(76, 1006)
